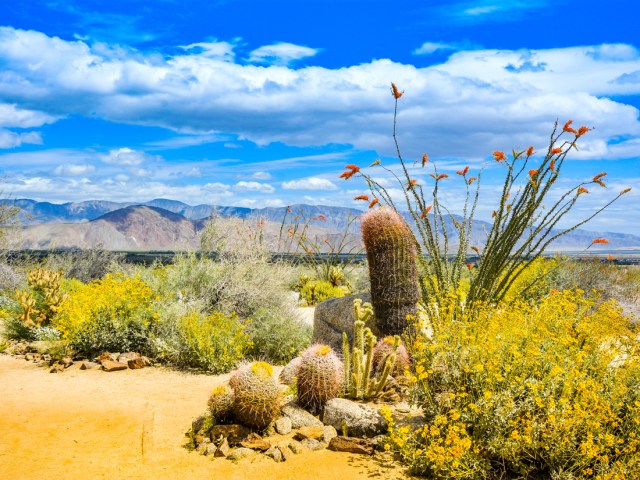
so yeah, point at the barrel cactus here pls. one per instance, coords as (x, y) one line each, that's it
(393, 272)
(221, 403)
(257, 395)
(383, 348)
(320, 377)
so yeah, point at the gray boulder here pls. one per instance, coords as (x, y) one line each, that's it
(334, 316)
(360, 420)
(299, 416)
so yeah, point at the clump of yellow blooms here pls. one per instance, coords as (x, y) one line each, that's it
(550, 389)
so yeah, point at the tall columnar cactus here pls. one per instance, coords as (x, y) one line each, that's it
(393, 273)
(320, 377)
(359, 360)
(257, 395)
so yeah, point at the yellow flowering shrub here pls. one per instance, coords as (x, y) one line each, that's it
(110, 314)
(551, 389)
(215, 342)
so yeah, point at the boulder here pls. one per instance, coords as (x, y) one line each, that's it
(334, 316)
(299, 416)
(329, 433)
(283, 425)
(312, 444)
(360, 420)
(351, 445)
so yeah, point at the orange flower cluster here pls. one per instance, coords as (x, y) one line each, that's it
(567, 128)
(469, 266)
(412, 183)
(533, 173)
(425, 159)
(373, 202)
(471, 180)
(552, 165)
(498, 156)
(362, 197)
(395, 92)
(439, 177)
(351, 171)
(582, 190)
(581, 131)
(530, 151)
(426, 211)
(322, 217)
(602, 241)
(556, 150)
(463, 172)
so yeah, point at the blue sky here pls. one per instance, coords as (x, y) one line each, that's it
(262, 103)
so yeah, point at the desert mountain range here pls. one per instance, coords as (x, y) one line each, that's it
(164, 224)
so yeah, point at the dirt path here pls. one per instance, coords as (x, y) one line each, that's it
(130, 425)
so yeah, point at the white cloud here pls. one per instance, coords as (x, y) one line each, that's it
(429, 48)
(261, 176)
(9, 139)
(12, 116)
(214, 50)
(281, 53)
(73, 170)
(126, 156)
(310, 183)
(244, 186)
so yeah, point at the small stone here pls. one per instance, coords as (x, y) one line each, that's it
(284, 451)
(202, 446)
(329, 433)
(351, 445)
(240, 453)
(312, 444)
(125, 357)
(211, 449)
(309, 432)
(274, 453)
(87, 365)
(136, 363)
(255, 442)
(114, 356)
(37, 357)
(299, 416)
(46, 357)
(296, 447)
(223, 449)
(28, 357)
(111, 366)
(57, 368)
(66, 361)
(283, 425)
(104, 356)
(233, 433)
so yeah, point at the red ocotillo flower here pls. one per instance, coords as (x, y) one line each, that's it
(426, 211)
(373, 202)
(602, 241)
(552, 165)
(556, 150)
(475, 249)
(347, 175)
(582, 190)
(469, 266)
(322, 217)
(567, 127)
(533, 173)
(581, 131)
(610, 257)
(499, 156)
(350, 166)
(530, 151)
(364, 198)
(376, 162)
(626, 190)
(412, 183)
(471, 180)
(425, 159)
(599, 176)
(463, 172)
(395, 92)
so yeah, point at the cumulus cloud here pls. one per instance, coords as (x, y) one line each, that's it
(73, 170)
(126, 156)
(310, 183)
(243, 186)
(281, 53)
(12, 116)
(9, 139)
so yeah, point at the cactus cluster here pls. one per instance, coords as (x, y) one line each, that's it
(42, 303)
(257, 395)
(393, 272)
(360, 361)
(320, 377)
(221, 403)
(385, 347)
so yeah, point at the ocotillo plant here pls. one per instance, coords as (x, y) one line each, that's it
(393, 272)
(523, 225)
(359, 359)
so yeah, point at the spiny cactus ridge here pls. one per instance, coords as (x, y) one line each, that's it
(221, 403)
(257, 395)
(320, 377)
(393, 272)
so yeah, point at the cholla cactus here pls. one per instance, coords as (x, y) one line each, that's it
(257, 395)
(221, 403)
(385, 347)
(42, 303)
(393, 273)
(320, 377)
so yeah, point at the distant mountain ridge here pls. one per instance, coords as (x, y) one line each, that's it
(164, 224)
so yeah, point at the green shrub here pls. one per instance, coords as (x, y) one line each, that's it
(278, 335)
(215, 343)
(317, 291)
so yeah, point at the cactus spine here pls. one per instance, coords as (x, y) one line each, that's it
(320, 377)
(393, 272)
(221, 403)
(359, 359)
(257, 395)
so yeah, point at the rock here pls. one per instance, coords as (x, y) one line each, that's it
(197, 423)
(351, 445)
(57, 368)
(233, 433)
(46, 357)
(223, 449)
(296, 447)
(378, 443)
(289, 372)
(66, 361)
(309, 432)
(104, 356)
(20, 357)
(37, 357)
(28, 357)
(329, 433)
(202, 446)
(255, 442)
(360, 420)
(240, 453)
(137, 363)
(274, 453)
(87, 365)
(111, 366)
(283, 425)
(125, 357)
(334, 316)
(284, 451)
(211, 449)
(299, 416)
(312, 444)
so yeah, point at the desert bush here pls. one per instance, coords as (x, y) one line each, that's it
(278, 336)
(111, 314)
(551, 390)
(85, 265)
(316, 291)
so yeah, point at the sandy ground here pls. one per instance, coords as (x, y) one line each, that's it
(130, 425)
